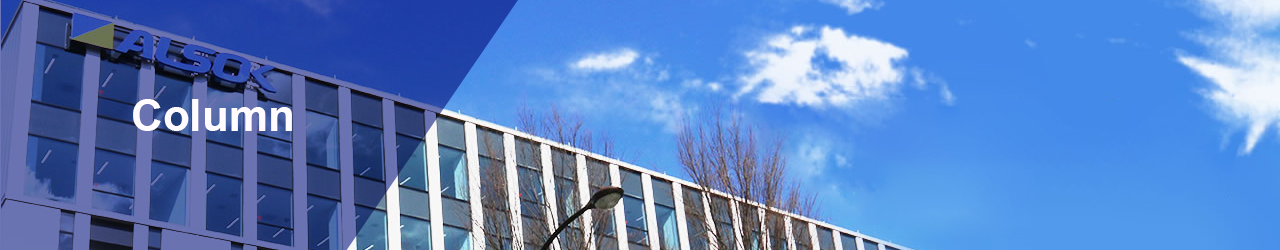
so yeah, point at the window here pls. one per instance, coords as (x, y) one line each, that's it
(410, 121)
(598, 177)
(52, 166)
(869, 245)
(532, 205)
(66, 226)
(154, 238)
(633, 209)
(59, 76)
(168, 193)
(110, 235)
(565, 167)
(322, 97)
(221, 101)
(800, 233)
(415, 234)
(665, 213)
(283, 82)
(411, 155)
(322, 221)
(456, 238)
(275, 215)
(694, 220)
(171, 148)
(118, 79)
(778, 231)
(172, 91)
(371, 229)
(322, 140)
(723, 217)
(113, 182)
(53, 28)
(324, 182)
(493, 190)
(55, 123)
(366, 109)
(117, 136)
(367, 144)
(748, 216)
(848, 242)
(223, 205)
(826, 240)
(453, 163)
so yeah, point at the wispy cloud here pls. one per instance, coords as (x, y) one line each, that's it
(322, 7)
(822, 68)
(855, 6)
(612, 60)
(1245, 66)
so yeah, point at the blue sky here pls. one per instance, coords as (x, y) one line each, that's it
(933, 124)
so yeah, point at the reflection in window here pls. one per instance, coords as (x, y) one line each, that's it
(848, 242)
(322, 140)
(367, 144)
(826, 240)
(51, 167)
(665, 212)
(371, 229)
(172, 91)
(322, 97)
(59, 76)
(113, 182)
(869, 245)
(118, 79)
(223, 204)
(800, 233)
(168, 193)
(275, 215)
(532, 205)
(633, 208)
(322, 223)
(221, 102)
(453, 173)
(411, 158)
(415, 234)
(694, 217)
(456, 238)
(723, 217)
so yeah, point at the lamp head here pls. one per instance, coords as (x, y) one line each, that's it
(606, 198)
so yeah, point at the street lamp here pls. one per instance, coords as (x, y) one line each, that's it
(606, 198)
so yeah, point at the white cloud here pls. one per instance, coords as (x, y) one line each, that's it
(855, 6)
(607, 60)
(821, 68)
(1029, 43)
(1245, 69)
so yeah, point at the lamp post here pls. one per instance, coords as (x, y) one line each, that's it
(606, 198)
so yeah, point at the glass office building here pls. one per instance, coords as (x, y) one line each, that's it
(361, 169)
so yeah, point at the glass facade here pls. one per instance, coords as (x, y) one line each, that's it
(101, 169)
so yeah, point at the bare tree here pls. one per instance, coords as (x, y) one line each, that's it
(719, 152)
(496, 215)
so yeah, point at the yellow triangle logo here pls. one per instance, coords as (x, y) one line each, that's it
(102, 36)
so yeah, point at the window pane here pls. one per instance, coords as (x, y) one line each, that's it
(172, 91)
(53, 28)
(322, 222)
(564, 164)
(490, 143)
(221, 102)
(119, 111)
(52, 166)
(275, 147)
(223, 204)
(848, 242)
(567, 194)
(118, 79)
(411, 158)
(633, 209)
(322, 97)
(55, 123)
(59, 76)
(171, 148)
(274, 234)
(113, 173)
(366, 109)
(527, 154)
(667, 234)
(631, 183)
(112, 202)
(275, 171)
(456, 213)
(118, 136)
(275, 206)
(225, 160)
(324, 182)
(322, 140)
(800, 233)
(825, 240)
(598, 174)
(415, 203)
(415, 234)
(456, 239)
(371, 229)
(662, 194)
(367, 144)
(450, 132)
(370, 193)
(282, 133)
(410, 121)
(453, 174)
(693, 216)
(168, 193)
(283, 82)
(869, 245)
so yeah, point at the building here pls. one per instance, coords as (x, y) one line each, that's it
(361, 169)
